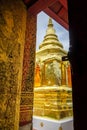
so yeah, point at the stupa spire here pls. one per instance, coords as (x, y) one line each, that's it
(50, 29)
(50, 22)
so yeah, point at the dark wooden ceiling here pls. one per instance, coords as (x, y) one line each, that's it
(57, 9)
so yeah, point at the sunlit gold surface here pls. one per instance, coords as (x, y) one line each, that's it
(54, 102)
(53, 91)
(37, 82)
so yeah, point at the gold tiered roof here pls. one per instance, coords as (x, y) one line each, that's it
(51, 40)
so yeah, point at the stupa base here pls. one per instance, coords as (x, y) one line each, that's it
(40, 123)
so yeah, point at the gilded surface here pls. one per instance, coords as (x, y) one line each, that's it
(53, 102)
(52, 93)
(12, 33)
(52, 73)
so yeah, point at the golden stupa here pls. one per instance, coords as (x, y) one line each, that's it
(52, 86)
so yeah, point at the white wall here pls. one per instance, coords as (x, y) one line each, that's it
(48, 124)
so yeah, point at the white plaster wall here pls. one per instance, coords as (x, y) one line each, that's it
(66, 124)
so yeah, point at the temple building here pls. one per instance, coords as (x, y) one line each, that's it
(53, 88)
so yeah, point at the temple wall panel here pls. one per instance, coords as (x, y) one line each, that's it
(26, 110)
(12, 36)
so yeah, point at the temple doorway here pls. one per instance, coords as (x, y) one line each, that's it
(52, 80)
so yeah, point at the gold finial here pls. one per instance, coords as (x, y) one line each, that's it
(50, 29)
(50, 22)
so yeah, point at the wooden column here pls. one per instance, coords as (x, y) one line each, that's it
(12, 35)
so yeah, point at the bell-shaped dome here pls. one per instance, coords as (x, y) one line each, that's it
(50, 39)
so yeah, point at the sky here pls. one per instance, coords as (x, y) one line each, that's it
(42, 22)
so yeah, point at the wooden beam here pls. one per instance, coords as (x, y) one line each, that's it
(63, 14)
(40, 5)
(64, 3)
(56, 18)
